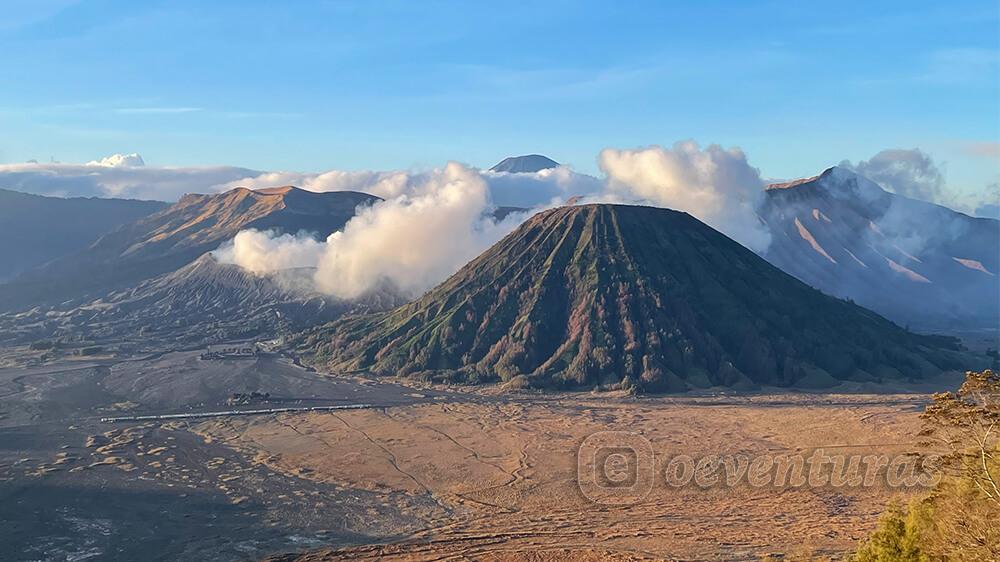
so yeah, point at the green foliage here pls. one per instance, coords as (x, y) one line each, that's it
(896, 539)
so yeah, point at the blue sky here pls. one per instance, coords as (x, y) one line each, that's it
(379, 85)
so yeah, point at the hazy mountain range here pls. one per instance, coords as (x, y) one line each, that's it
(36, 229)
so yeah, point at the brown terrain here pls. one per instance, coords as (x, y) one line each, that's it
(422, 473)
(503, 473)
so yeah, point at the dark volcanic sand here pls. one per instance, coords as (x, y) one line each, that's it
(190, 500)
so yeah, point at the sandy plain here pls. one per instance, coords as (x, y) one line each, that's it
(427, 473)
(504, 476)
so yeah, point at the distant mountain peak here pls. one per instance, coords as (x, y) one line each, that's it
(836, 180)
(527, 164)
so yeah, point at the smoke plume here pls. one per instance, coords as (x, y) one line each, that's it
(266, 251)
(436, 222)
(415, 240)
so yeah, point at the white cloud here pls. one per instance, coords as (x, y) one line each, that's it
(132, 160)
(511, 190)
(716, 185)
(415, 240)
(908, 172)
(539, 188)
(383, 184)
(116, 176)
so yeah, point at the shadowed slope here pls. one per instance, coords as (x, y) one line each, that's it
(597, 293)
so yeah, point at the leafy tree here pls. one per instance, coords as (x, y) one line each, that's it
(896, 539)
(967, 424)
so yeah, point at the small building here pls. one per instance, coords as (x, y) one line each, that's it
(230, 351)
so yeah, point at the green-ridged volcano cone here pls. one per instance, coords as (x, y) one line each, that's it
(592, 294)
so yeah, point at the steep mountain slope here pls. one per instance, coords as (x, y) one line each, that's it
(202, 302)
(176, 236)
(596, 293)
(35, 229)
(915, 262)
(529, 163)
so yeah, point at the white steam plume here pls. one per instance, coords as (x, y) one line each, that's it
(415, 240)
(266, 251)
(714, 184)
(439, 221)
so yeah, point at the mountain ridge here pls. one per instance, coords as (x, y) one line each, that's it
(913, 261)
(175, 236)
(203, 302)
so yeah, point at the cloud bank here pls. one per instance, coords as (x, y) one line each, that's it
(715, 184)
(118, 175)
(524, 190)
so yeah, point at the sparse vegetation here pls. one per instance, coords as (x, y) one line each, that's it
(959, 521)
